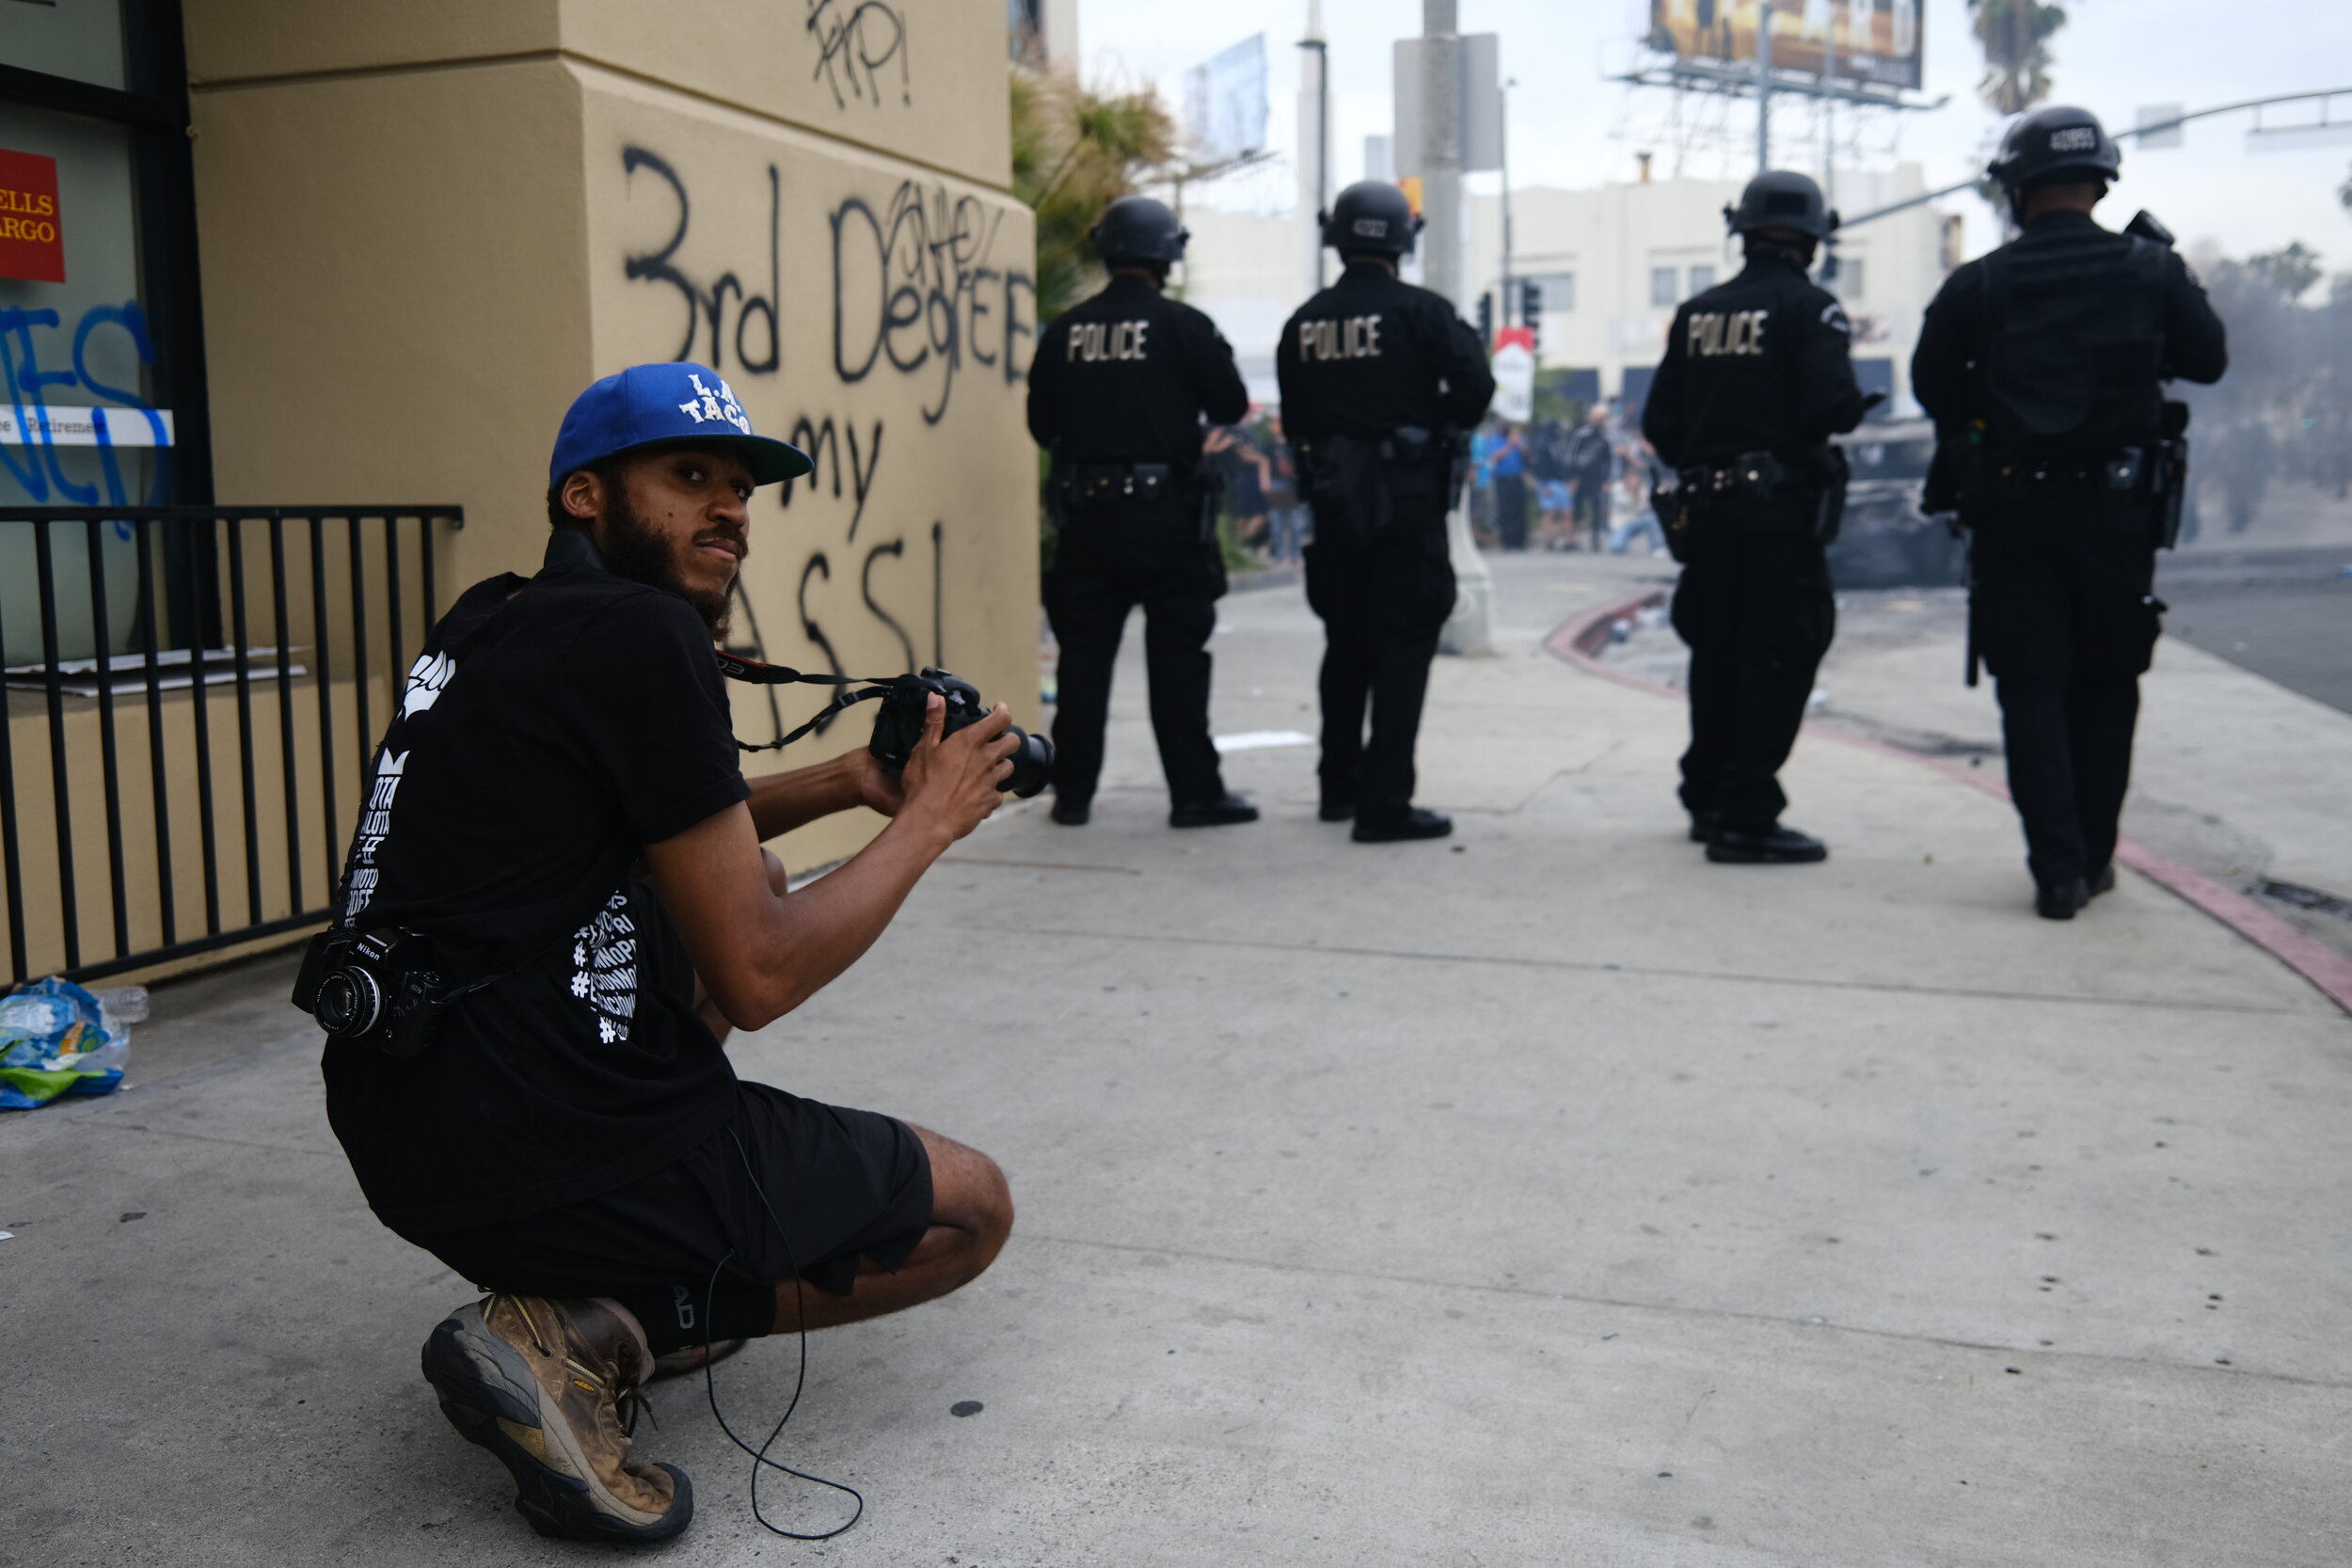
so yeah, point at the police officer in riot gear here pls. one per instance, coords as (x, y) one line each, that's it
(1116, 392)
(2042, 365)
(1380, 383)
(1758, 375)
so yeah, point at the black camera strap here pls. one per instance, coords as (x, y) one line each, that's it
(753, 673)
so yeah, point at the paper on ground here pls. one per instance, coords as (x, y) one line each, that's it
(1258, 740)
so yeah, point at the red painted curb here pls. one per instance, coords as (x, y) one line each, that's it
(1578, 642)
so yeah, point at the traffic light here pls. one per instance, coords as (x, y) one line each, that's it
(1486, 318)
(1531, 309)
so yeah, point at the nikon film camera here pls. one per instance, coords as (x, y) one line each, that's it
(375, 988)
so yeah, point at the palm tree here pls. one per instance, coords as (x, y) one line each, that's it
(2015, 35)
(1075, 149)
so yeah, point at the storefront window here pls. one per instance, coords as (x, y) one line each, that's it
(87, 415)
(79, 40)
(80, 427)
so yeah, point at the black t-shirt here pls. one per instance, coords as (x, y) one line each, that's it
(551, 729)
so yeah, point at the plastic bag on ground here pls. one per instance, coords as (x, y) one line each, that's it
(58, 1039)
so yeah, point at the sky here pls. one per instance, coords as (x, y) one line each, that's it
(1570, 126)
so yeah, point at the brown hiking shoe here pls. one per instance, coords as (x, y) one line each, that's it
(540, 1383)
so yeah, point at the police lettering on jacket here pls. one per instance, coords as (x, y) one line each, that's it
(1761, 362)
(1097, 341)
(1347, 338)
(1713, 332)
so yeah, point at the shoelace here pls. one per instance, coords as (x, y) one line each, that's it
(629, 1399)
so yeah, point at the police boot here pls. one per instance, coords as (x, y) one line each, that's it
(2061, 900)
(1773, 845)
(1704, 825)
(1071, 810)
(1223, 812)
(1396, 828)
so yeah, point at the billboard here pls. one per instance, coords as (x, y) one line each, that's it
(1225, 104)
(1877, 42)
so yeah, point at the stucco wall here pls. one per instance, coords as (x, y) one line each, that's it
(425, 227)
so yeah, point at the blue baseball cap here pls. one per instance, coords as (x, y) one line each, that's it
(674, 402)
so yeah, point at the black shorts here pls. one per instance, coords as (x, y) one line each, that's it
(843, 1185)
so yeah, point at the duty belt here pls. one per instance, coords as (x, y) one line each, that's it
(1122, 483)
(2124, 472)
(1757, 475)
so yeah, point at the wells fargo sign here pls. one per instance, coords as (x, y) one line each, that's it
(32, 240)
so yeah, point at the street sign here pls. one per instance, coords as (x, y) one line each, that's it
(1515, 376)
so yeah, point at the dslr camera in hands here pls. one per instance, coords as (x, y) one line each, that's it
(899, 725)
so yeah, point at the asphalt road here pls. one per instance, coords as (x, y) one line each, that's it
(2276, 600)
(2284, 613)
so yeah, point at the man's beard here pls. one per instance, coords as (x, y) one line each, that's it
(635, 549)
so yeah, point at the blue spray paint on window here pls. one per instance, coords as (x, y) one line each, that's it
(19, 363)
(132, 319)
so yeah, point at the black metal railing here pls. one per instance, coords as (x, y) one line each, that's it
(237, 648)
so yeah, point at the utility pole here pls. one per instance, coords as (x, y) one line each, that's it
(1763, 86)
(1441, 151)
(1508, 82)
(1470, 628)
(1828, 113)
(1314, 141)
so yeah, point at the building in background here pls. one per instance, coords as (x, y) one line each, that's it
(1040, 33)
(354, 261)
(1243, 269)
(1612, 263)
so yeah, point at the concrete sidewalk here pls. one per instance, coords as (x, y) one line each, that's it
(2234, 775)
(1543, 1196)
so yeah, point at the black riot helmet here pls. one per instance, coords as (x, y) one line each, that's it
(1782, 198)
(2052, 145)
(1371, 215)
(1136, 229)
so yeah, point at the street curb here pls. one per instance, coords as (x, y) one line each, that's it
(1578, 642)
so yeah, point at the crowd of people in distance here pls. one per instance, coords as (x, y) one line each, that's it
(1588, 483)
(1555, 485)
(1261, 478)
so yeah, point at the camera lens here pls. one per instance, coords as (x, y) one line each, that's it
(348, 1001)
(1032, 765)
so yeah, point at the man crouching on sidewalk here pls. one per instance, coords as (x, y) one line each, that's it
(559, 812)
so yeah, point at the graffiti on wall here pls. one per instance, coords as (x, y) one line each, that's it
(823, 446)
(855, 41)
(706, 305)
(912, 288)
(917, 294)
